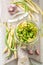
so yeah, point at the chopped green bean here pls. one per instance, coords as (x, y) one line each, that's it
(27, 31)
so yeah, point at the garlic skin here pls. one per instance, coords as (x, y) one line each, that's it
(12, 9)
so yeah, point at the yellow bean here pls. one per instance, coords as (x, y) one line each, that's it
(5, 50)
(32, 16)
(32, 9)
(38, 8)
(15, 52)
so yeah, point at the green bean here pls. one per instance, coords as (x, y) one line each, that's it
(9, 54)
(6, 37)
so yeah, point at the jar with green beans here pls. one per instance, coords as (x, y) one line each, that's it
(26, 32)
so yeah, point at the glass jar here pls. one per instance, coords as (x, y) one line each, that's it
(31, 43)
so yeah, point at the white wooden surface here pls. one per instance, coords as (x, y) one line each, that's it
(5, 17)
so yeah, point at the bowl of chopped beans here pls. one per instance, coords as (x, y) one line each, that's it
(26, 32)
